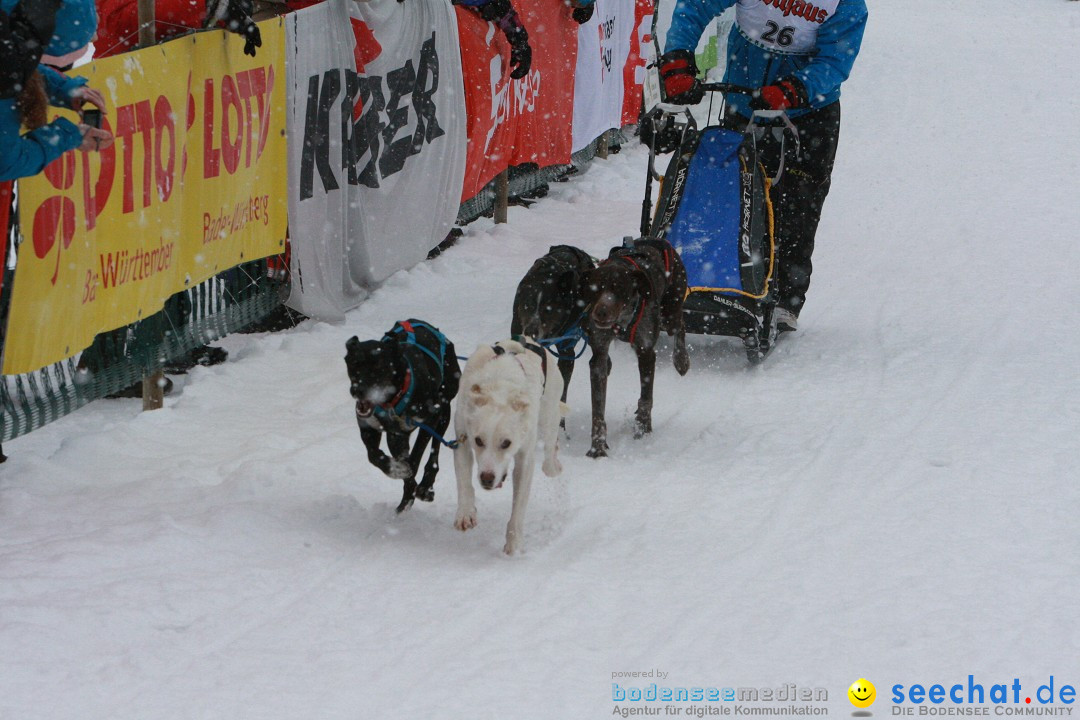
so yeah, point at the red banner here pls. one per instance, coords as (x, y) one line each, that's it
(485, 55)
(543, 101)
(634, 72)
(511, 122)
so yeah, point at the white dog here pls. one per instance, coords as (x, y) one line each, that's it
(509, 400)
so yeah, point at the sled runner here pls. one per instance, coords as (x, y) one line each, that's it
(715, 208)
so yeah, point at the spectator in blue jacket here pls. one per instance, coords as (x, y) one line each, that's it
(62, 31)
(795, 54)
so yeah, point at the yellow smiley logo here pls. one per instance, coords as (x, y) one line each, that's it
(862, 693)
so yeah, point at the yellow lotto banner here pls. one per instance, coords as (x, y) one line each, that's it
(195, 183)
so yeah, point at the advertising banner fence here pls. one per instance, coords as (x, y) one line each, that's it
(603, 50)
(512, 122)
(376, 118)
(193, 186)
(640, 56)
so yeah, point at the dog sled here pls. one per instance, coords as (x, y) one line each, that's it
(715, 208)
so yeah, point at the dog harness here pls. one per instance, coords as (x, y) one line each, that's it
(394, 410)
(528, 345)
(665, 254)
(564, 346)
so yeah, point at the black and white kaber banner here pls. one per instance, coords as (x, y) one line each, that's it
(376, 144)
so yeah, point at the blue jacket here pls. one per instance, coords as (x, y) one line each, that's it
(27, 154)
(821, 72)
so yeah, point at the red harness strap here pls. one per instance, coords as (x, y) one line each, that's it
(641, 310)
(641, 314)
(392, 404)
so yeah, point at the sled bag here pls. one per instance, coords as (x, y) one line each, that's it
(723, 225)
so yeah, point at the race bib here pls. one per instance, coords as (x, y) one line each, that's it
(784, 26)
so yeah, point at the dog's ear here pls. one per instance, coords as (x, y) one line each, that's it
(643, 284)
(567, 282)
(352, 346)
(590, 285)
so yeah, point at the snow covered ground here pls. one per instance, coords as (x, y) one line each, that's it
(893, 495)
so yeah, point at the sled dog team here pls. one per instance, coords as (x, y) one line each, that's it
(512, 392)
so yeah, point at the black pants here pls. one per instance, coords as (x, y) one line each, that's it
(799, 196)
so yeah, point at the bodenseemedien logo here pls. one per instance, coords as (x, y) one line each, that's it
(862, 693)
(786, 701)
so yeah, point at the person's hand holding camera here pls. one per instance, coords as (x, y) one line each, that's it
(94, 139)
(82, 95)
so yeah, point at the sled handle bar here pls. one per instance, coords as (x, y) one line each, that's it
(708, 87)
(726, 88)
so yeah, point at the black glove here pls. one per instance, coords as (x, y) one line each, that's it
(502, 13)
(235, 15)
(678, 70)
(520, 54)
(582, 15)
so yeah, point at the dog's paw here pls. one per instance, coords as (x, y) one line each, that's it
(466, 519)
(642, 428)
(511, 545)
(399, 470)
(425, 494)
(552, 467)
(597, 451)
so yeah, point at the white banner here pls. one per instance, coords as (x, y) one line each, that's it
(376, 144)
(603, 47)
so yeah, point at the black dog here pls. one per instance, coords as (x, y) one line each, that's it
(550, 303)
(633, 295)
(400, 383)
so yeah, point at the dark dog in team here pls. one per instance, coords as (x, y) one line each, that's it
(550, 303)
(401, 383)
(632, 295)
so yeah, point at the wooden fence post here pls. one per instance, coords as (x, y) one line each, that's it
(502, 195)
(153, 391)
(153, 386)
(147, 22)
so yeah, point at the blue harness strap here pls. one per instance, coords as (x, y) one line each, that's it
(564, 345)
(409, 328)
(452, 444)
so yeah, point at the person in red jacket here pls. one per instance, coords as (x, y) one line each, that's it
(118, 27)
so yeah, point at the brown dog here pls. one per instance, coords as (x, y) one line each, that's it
(633, 295)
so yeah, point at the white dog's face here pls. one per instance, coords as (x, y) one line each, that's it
(497, 430)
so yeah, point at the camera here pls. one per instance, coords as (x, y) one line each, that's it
(92, 117)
